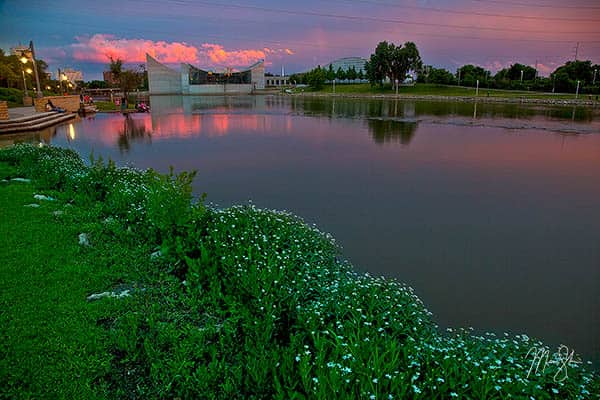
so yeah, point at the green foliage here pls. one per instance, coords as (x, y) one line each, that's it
(11, 71)
(12, 96)
(470, 74)
(392, 62)
(316, 78)
(243, 303)
(128, 79)
(440, 76)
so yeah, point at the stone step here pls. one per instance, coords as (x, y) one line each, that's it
(55, 119)
(27, 118)
(34, 121)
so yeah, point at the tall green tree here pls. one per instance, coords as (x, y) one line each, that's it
(127, 79)
(470, 74)
(392, 62)
(316, 78)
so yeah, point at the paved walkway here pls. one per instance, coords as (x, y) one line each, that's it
(17, 112)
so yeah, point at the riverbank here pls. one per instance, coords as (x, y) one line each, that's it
(233, 303)
(428, 92)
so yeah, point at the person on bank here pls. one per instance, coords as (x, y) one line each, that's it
(51, 107)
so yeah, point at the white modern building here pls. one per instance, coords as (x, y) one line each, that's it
(191, 80)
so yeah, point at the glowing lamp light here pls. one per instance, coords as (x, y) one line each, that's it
(71, 132)
(23, 60)
(29, 70)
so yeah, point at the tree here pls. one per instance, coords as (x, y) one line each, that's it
(330, 75)
(392, 62)
(470, 74)
(378, 66)
(127, 79)
(439, 76)
(316, 78)
(577, 71)
(340, 74)
(351, 73)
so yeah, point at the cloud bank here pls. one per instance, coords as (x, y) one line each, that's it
(99, 48)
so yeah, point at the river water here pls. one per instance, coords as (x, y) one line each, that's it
(491, 212)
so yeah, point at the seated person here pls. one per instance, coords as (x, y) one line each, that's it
(51, 107)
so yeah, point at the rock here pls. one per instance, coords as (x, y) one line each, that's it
(155, 255)
(32, 205)
(42, 197)
(118, 295)
(84, 240)
(57, 213)
(23, 180)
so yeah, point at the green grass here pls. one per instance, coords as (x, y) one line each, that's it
(424, 89)
(110, 106)
(242, 303)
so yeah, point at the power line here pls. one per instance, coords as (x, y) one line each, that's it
(373, 19)
(528, 4)
(482, 14)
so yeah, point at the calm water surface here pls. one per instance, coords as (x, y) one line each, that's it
(491, 212)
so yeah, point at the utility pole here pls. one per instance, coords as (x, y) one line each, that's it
(577, 92)
(594, 80)
(35, 71)
(535, 76)
(521, 76)
(60, 81)
(576, 50)
(459, 77)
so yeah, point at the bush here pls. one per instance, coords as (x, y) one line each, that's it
(12, 96)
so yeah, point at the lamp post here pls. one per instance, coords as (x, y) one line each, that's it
(24, 61)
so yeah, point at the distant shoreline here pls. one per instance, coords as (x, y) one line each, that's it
(464, 99)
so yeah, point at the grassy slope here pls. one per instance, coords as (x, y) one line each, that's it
(441, 90)
(52, 345)
(243, 304)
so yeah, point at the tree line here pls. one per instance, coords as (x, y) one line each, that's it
(392, 63)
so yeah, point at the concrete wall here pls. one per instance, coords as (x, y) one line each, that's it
(258, 76)
(230, 88)
(69, 103)
(3, 110)
(162, 79)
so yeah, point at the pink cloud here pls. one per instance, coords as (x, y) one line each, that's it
(216, 54)
(101, 47)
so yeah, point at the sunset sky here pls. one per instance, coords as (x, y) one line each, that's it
(299, 35)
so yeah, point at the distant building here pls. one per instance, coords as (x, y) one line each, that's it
(192, 80)
(277, 80)
(347, 62)
(20, 51)
(109, 78)
(72, 75)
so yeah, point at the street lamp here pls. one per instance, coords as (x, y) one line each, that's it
(24, 61)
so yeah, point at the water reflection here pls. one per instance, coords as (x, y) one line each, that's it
(133, 130)
(390, 131)
(43, 136)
